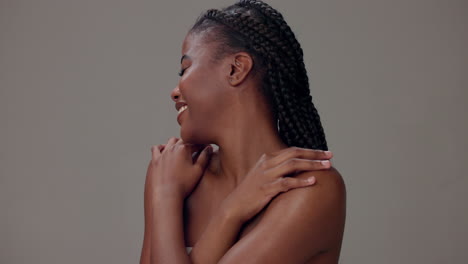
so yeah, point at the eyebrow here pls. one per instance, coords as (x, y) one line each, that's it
(185, 56)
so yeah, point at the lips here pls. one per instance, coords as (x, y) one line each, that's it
(179, 104)
(179, 116)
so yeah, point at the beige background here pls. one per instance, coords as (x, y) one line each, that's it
(85, 91)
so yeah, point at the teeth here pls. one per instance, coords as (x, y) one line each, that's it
(182, 109)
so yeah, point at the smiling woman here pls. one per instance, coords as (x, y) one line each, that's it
(269, 193)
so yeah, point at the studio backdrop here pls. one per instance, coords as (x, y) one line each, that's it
(85, 92)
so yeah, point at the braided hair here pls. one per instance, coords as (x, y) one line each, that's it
(258, 29)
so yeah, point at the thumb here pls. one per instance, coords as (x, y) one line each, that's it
(204, 157)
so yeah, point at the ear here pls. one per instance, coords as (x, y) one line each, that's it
(241, 65)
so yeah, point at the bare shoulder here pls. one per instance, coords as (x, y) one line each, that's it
(329, 184)
(329, 188)
(298, 225)
(315, 213)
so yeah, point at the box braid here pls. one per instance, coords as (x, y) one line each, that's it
(255, 27)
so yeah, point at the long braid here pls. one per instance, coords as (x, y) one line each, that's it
(268, 11)
(256, 27)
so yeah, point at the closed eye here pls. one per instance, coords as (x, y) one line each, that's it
(181, 72)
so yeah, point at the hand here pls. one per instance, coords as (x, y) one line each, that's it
(265, 180)
(173, 168)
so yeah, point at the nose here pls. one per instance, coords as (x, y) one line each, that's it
(175, 94)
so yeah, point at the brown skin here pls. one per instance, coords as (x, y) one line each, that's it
(233, 211)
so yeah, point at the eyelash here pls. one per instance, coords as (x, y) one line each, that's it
(181, 72)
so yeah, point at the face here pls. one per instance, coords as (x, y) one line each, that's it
(202, 87)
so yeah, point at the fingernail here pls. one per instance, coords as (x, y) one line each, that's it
(328, 153)
(325, 162)
(311, 179)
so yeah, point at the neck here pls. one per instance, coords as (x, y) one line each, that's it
(243, 143)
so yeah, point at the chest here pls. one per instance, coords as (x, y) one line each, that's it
(202, 204)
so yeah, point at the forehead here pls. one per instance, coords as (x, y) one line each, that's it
(195, 43)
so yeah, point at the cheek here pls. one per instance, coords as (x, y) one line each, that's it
(203, 95)
(210, 102)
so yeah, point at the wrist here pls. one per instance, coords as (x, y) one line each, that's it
(229, 215)
(166, 195)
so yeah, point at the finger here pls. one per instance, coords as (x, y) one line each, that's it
(288, 183)
(294, 165)
(204, 157)
(171, 142)
(179, 142)
(323, 154)
(196, 151)
(296, 152)
(190, 146)
(161, 147)
(155, 152)
(196, 147)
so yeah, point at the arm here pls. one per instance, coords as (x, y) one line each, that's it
(306, 222)
(219, 235)
(260, 185)
(167, 237)
(297, 225)
(217, 238)
(167, 234)
(146, 249)
(163, 220)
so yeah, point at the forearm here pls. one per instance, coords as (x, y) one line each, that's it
(146, 249)
(167, 234)
(219, 235)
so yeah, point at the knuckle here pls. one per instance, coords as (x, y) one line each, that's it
(294, 151)
(285, 183)
(320, 153)
(292, 163)
(198, 168)
(264, 174)
(263, 164)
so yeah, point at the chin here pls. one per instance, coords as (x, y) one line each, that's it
(190, 137)
(193, 138)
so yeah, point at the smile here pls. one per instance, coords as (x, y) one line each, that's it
(181, 110)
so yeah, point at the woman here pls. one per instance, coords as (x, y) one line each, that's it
(269, 194)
